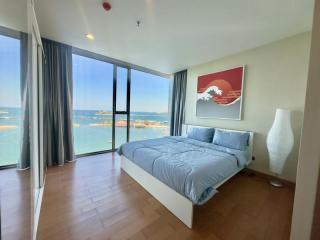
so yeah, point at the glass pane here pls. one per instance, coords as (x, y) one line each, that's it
(122, 75)
(121, 130)
(149, 116)
(92, 104)
(10, 101)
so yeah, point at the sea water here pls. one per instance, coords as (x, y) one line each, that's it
(10, 135)
(92, 130)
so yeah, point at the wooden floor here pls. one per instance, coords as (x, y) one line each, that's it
(15, 204)
(93, 199)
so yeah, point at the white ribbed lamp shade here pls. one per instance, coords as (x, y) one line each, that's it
(280, 140)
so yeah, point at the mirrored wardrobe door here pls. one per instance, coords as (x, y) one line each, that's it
(36, 117)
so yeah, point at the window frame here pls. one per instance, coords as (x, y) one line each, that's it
(118, 63)
(10, 33)
(7, 32)
(115, 112)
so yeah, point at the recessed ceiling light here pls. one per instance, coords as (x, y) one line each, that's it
(90, 36)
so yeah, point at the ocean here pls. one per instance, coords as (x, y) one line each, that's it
(92, 130)
(10, 135)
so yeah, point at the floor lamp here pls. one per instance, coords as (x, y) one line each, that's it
(279, 143)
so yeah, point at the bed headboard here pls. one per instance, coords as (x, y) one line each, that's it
(187, 127)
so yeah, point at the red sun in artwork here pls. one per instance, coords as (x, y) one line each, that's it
(228, 94)
(223, 85)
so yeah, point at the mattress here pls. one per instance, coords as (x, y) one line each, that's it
(190, 167)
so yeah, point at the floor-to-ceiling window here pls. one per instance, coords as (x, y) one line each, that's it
(10, 101)
(113, 104)
(149, 115)
(92, 104)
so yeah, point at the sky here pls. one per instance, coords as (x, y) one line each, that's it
(93, 87)
(9, 72)
(92, 83)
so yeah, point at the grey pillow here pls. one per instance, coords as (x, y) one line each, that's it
(201, 134)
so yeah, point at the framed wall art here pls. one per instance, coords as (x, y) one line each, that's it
(219, 94)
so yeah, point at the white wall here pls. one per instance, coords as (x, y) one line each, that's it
(13, 15)
(275, 76)
(309, 159)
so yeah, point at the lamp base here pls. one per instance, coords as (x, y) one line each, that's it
(276, 183)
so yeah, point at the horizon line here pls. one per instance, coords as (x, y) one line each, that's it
(98, 110)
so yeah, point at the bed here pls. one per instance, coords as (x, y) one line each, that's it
(181, 172)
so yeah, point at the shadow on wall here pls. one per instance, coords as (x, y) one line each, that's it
(296, 123)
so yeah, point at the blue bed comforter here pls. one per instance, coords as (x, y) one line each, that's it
(188, 166)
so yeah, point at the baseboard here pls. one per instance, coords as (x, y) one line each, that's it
(269, 177)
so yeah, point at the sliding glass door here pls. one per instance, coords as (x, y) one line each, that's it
(92, 105)
(114, 104)
(10, 101)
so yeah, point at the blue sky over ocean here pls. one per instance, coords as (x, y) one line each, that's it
(93, 87)
(93, 83)
(9, 72)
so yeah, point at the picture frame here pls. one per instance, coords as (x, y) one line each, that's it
(220, 94)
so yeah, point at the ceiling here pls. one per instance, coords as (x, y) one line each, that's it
(173, 35)
(13, 14)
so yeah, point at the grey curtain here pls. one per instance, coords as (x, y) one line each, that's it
(178, 102)
(24, 162)
(57, 94)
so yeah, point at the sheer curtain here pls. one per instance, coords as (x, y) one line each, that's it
(24, 161)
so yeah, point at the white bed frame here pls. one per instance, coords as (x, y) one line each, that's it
(179, 205)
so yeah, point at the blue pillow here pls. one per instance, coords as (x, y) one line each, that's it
(201, 134)
(229, 139)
